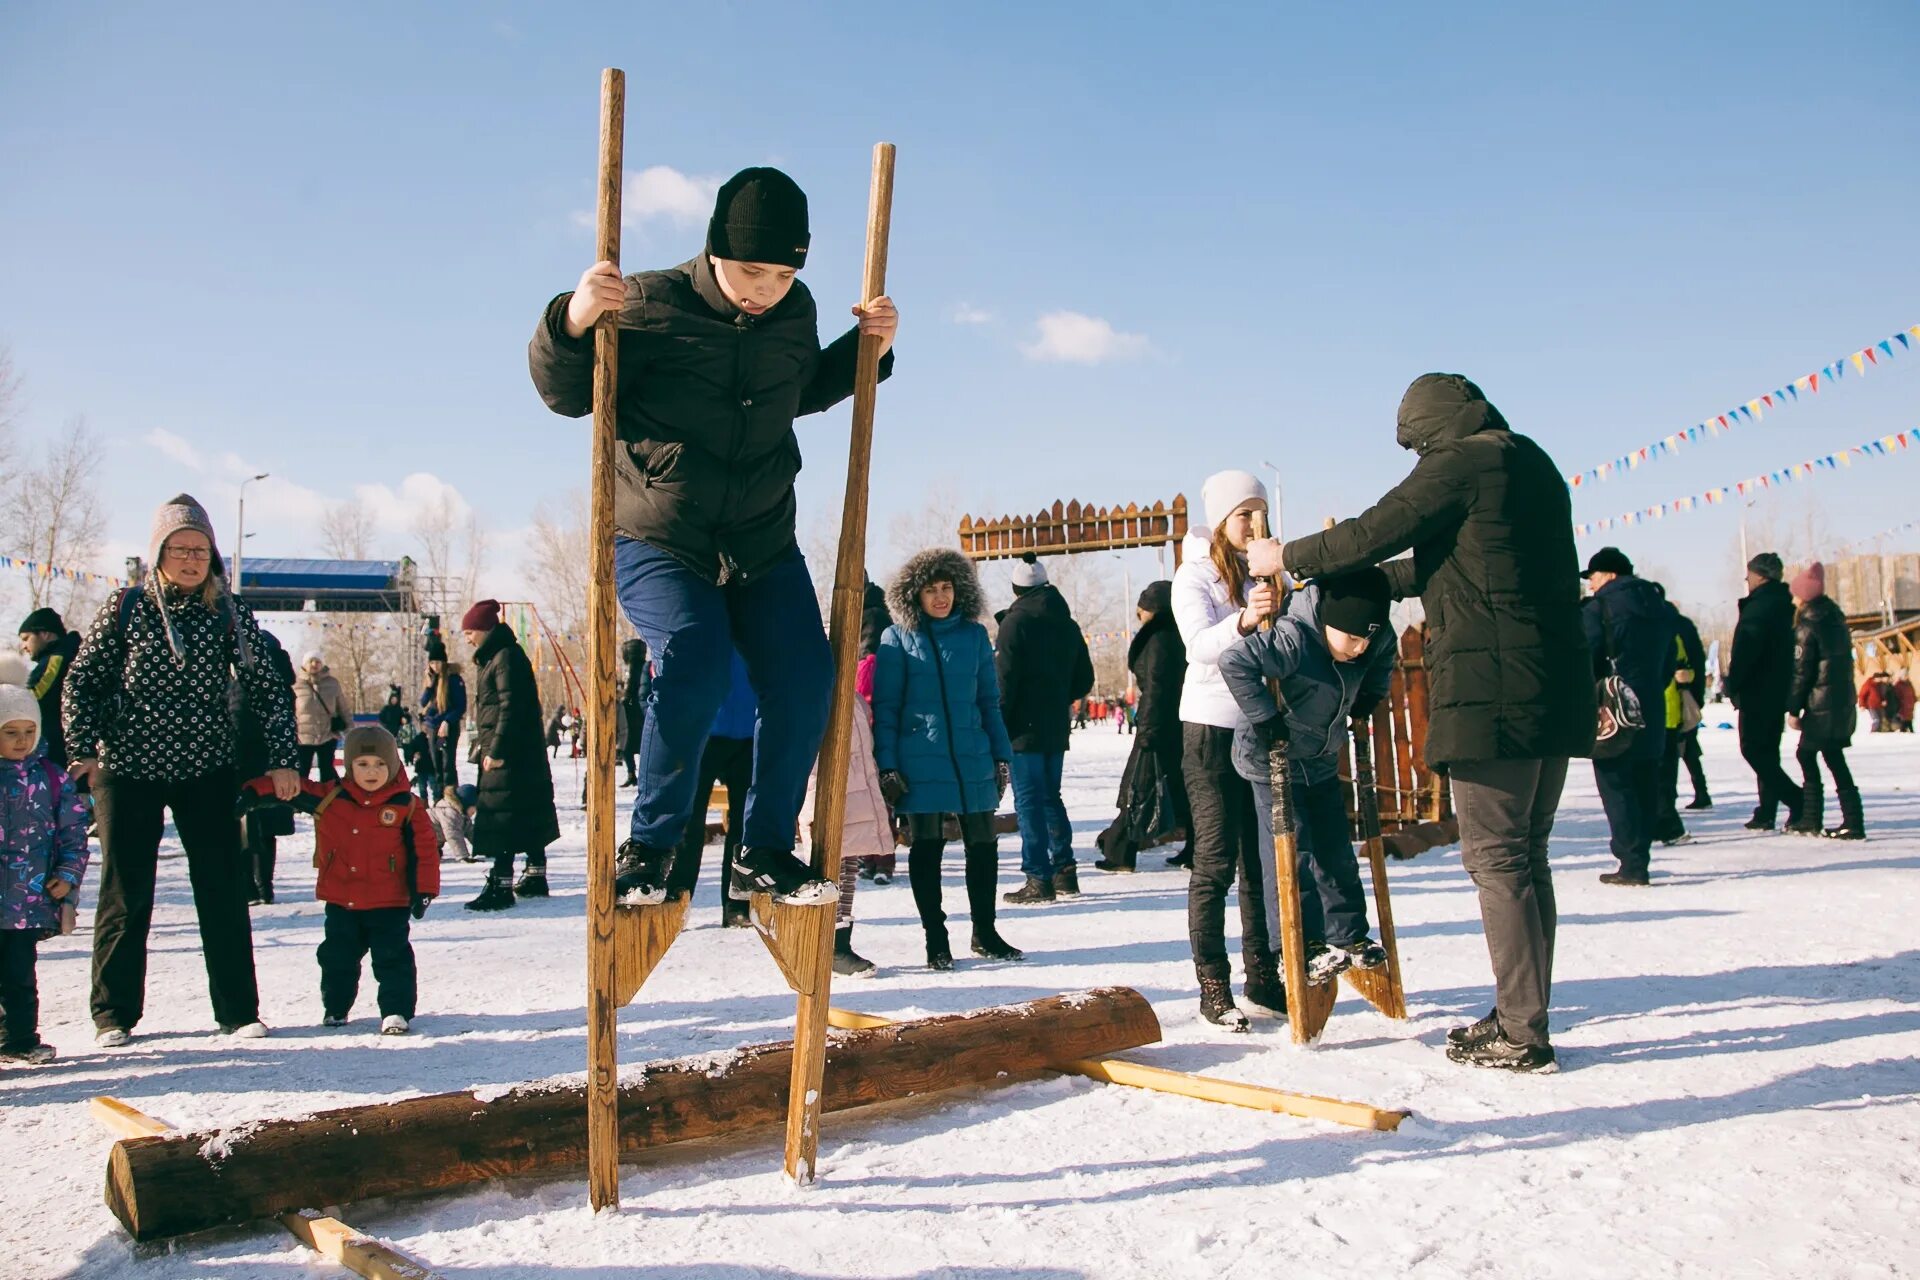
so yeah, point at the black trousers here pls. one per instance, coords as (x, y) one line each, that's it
(1630, 793)
(352, 934)
(729, 762)
(20, 987)
(130, 812)
(446, 757)
(1690, 755)
(1815, 791)
(1760, 730)
(323, 756)
(929, 845)
(1667, 823)
(1226, 846)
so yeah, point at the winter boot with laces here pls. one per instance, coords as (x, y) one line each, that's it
(847, 962)
(1066, 882)
(1217, 1006)
(1476, 1033)
(1502, 1054)
(1853, 822)
(1325, 963)
(1365, 954)
(777, 872)
(497, 896)
(533, 881)
(640, 875)
(1036, 890)
(1263, 986)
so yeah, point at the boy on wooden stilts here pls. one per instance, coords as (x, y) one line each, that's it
(717, 357)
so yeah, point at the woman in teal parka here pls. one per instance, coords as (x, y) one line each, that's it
(939, 741)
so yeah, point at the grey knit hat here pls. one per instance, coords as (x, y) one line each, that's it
(372, 740)
(183, 511)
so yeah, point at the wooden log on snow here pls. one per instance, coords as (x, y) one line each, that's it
(167, 1185)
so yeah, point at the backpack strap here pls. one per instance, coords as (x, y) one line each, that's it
(124, 607)
(54, 774)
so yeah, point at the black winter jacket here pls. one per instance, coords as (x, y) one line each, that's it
(707, 398)
(515, 811)
(1158, 660)
(1042, 663)
(48, 678)
(1822, 694)
(1486, 514)
(1696, 657)
(1760, 669)
(1643, 626)
(146, 715)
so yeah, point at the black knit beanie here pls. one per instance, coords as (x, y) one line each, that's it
(760, 216)
(1355, 603)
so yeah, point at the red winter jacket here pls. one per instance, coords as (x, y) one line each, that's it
(358, 844)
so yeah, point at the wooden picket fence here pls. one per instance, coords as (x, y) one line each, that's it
(1416, 808)
(1072, 526)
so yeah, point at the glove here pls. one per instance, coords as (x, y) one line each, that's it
(892, 785)
(1269, 734)
(419, 905)
(1363, 708)
(250, 800)
(1002, 778)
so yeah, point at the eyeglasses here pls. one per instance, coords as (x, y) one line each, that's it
(190, 553)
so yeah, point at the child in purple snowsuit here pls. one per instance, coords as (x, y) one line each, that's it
(43, 855)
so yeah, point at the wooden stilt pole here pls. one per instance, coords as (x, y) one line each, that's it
(1308, 1007)
(328, 1237)
(801, 938)
(1380, 987)
(1138, 1075)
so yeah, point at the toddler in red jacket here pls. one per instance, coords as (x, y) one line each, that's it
(379, 862)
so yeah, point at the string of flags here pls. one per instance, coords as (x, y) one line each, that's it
(40, 570)
(1871, 355)
(1872, 450)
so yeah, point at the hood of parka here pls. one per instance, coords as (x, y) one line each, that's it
(1442, 407)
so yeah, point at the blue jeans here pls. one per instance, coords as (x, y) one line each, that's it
(692, 628)
(1046, 837)
(1333, 907)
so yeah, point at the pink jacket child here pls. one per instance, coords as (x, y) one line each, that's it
(866, 833)
(43, 857)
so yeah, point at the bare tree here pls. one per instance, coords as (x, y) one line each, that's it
(346, 530)
(557, 564)
(53, 515)
(362, 650)
(11, 399)
(934, 522)
(452, 552)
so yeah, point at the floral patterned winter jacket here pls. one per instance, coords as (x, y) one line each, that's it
(43, 835)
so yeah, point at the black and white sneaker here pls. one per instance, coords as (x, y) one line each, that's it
(1475, 1032)
(779, 873)
(29, 1054)
(639, 875)
(1503, 1054)
(1325, 963)
(1365, 954)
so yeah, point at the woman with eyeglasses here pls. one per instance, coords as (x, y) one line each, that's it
(150, 727)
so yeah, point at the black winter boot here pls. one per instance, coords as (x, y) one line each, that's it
(497, 896)
(533, 881)
(1066, 882)
(1217, 1007)
(991, 946)
(1853, 822)
(846, 961)
(1810, 818)
(1035, 891)
(939, 951)
(640, 874)
(1263, 986)
(983, 876)
(263, 860)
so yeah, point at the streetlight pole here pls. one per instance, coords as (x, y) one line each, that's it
(240, 543)
(1278, 523)
(1745, 559)
(1126, 611)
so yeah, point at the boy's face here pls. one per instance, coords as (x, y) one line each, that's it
(17, 738)
(754, 287)
(370, 773)
(1344, 645)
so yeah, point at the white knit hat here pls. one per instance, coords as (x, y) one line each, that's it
(1029, 572)
(1225, 492)
(16, 700)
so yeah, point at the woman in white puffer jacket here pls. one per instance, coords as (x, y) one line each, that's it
(1214, 605)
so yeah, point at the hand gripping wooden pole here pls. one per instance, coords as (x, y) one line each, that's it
(623, 944)
(1308, 1007)
(801, 938)
(1379, 987)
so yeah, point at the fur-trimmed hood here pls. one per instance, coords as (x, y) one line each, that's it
(933, 565)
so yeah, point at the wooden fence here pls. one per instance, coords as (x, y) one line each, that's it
(1074, 527)
(1416, 808)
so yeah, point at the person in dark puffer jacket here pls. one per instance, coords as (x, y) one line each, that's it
(717, 358)
(1758, 680)
(1158, 659)
(51, 648)
(148, 722)
(1488, 518)
(1630, 618)
(938, 739)
(514, 811)
(1822, 704)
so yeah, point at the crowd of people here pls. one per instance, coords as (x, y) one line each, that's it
(1251, 661)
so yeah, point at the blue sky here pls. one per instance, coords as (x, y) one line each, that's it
(315, 241)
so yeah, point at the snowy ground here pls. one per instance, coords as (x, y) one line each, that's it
(1739, 1096)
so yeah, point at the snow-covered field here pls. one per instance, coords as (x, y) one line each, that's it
(1739, 1093)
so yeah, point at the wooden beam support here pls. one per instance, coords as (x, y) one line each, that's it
(1138, 1075)
(168, 1184)
(329, 1237)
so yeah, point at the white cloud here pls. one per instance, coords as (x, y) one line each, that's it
(175, 448)
(660, 191)
(394, 511)
(1067, 337)
(967, 313)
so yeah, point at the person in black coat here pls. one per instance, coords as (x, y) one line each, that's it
(51, 648)
(514, 812)
(1822, 705)
(1631, 631)
(1693, 678)
(1487, 516)
(1759, 678)
(634, 696)
(262, 825)
(1153, 792)
(1042, 663)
